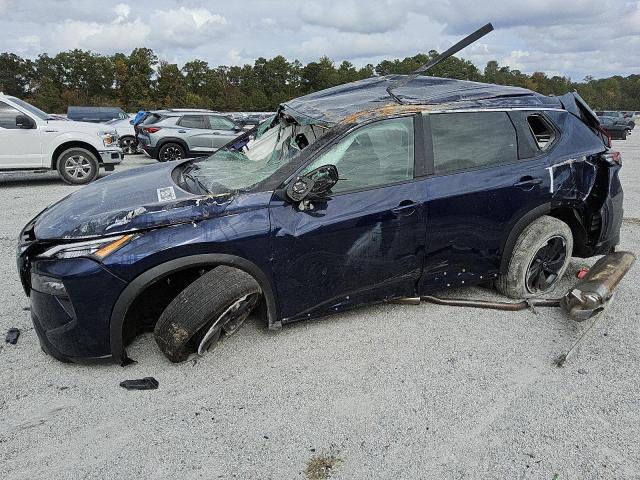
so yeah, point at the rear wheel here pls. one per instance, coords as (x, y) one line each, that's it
(171, 151)
(78, 166)
(216, 303)
(128, 145)
(539, 259)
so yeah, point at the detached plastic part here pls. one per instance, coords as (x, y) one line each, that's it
(146, 383)
(12, 336)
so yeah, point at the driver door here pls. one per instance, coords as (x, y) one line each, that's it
(363, 244)
(21, 147)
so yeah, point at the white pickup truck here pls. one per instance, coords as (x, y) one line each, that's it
(32, 140)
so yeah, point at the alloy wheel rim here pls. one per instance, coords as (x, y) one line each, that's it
(237, 312)
(545, 267)
(172, 153)
(77, 166)
(128, 146)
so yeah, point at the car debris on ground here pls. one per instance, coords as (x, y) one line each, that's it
(12, 336)
(146, 383)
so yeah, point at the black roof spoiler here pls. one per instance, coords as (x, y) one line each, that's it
(465, 42)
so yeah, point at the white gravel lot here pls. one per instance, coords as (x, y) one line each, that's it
(383, 392)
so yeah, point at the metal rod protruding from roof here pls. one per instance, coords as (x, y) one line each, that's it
(465, 42)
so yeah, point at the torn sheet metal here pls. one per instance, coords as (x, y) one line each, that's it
(331, 106)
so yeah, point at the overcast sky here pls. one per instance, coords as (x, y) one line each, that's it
(566, 37)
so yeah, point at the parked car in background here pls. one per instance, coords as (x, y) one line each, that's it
(32, 140)
(180, 133)
(96, 114)
(250, 119)
(126, 134)
(619, 117)
(615, 129)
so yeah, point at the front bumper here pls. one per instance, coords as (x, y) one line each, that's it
(111, 157)
(73, 326)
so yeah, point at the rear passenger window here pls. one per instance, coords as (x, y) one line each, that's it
(541, 130)
(192, 121)
(463, 141)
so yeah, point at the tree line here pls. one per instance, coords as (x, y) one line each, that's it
(142, 80)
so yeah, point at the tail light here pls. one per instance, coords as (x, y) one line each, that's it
(612, 157)
(151, 129)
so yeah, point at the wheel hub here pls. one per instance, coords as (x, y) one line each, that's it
(77, 166)
(230, 320)
(546, 265)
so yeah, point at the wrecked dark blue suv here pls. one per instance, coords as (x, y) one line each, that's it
(346, 197)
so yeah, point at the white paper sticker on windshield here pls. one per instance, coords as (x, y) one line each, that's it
(166, 194)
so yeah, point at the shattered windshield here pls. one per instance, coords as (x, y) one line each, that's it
(252, 158)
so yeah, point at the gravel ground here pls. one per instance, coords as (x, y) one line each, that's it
(382, 392)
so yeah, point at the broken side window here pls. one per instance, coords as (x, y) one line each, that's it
(541, 130)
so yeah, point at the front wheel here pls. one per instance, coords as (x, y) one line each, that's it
(128, 145)
(539, 259)
(78, 166)
(171, 151)
(217, 302)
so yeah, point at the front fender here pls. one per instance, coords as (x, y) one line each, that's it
(52, 143)
(140, 283)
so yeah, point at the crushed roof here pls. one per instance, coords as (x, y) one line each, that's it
(333, 105)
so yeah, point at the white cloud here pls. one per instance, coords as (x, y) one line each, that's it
(186, 28)
(101, 37)
(372, 16)
(122, 10)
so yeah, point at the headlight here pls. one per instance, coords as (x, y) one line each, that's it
(98, 249)
(109, 138)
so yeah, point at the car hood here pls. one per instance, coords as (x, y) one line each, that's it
(84, 127)
(127, 201)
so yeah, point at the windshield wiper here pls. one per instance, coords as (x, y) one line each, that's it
(197, 181)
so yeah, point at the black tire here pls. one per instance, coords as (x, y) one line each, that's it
(170, 152)
(529, 273)
(206, 307)
(78, 166)
(625, 134)
(129, 145)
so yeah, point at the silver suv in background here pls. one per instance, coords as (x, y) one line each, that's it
(180, 133)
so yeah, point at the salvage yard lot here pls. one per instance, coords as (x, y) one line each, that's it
(390, 391)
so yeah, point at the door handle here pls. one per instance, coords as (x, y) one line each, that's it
(216, 133)
(406, 208)
(182, 131)
(527, 183)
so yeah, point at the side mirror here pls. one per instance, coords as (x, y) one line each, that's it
(237, 128)
(22, 121)
(131, 122)
(315, 185)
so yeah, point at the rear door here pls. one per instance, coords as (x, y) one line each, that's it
(223, 130)
(20, 147)
(194, 129)
(483, 181)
